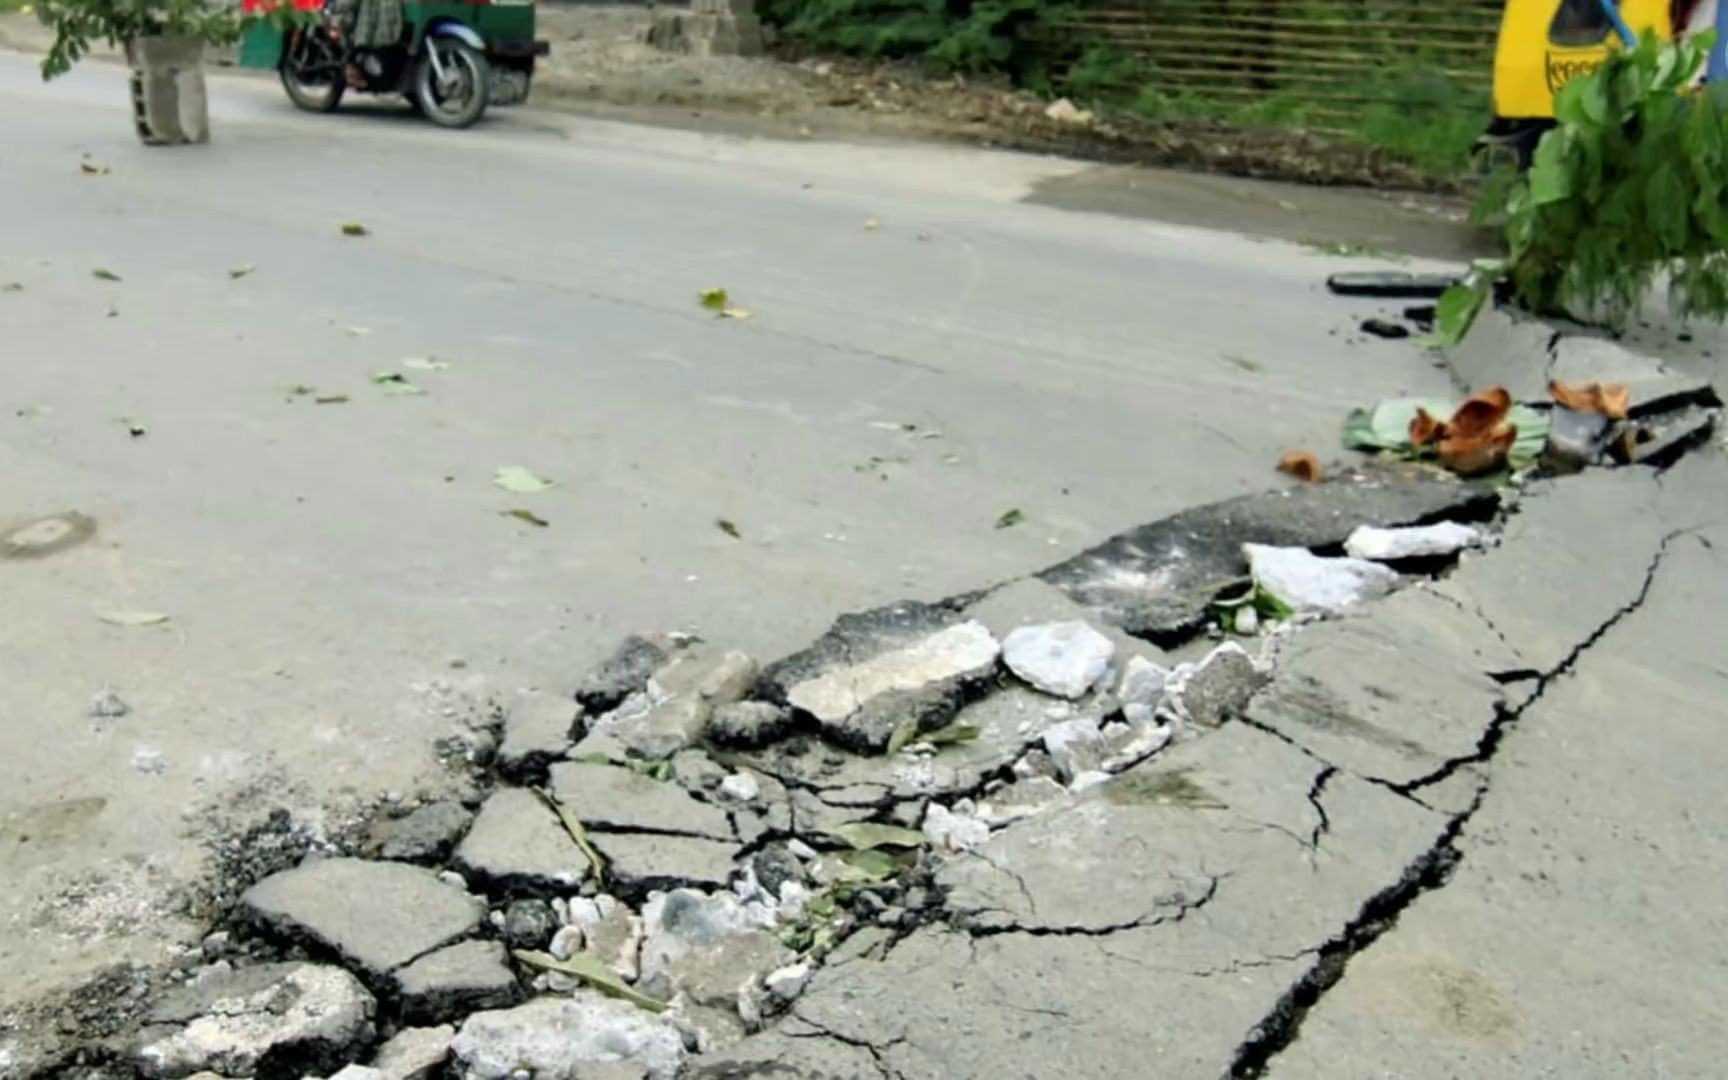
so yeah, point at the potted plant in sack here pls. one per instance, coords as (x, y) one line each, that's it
(164, 42)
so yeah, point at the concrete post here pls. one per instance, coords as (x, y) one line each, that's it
(169, 104)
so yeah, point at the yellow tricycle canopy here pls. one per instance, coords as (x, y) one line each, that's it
(1545, 43)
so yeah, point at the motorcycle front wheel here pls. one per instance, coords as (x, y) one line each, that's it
(458, 98)
(312, 71)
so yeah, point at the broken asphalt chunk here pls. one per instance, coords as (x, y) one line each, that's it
(1158, 580)
(609, 798)
(1391, 284)
(376, 915)
(518, 845)
(454, 981)
(537, 732)
(425, 835)
(268, 1020)
(623, 673)
(874, 670)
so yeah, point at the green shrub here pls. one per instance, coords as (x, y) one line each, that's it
(970, 36)
(1631, 184)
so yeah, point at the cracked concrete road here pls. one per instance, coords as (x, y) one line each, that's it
(1582, 932)
(323, 564)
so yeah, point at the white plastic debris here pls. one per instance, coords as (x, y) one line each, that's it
(1443, 538)
(1064, 111)
(740, 787)
(1066, 658)
(1306, 582)
(955, 830)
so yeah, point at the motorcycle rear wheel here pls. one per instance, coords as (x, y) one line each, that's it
(305, 51)
(467, 89)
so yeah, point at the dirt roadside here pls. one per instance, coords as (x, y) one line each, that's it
(1277, 183)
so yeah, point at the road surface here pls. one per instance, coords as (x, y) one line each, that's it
(928, 351)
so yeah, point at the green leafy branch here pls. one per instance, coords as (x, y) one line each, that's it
(1631, 184)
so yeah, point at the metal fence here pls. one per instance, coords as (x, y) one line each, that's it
(1325, 59)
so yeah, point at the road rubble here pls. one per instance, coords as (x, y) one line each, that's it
(1076, 810)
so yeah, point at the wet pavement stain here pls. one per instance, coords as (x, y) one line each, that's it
(46, 536)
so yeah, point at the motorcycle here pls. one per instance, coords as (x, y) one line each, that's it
(450, 60)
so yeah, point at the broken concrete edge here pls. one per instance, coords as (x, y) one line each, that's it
(932, 905)
(1431, 869)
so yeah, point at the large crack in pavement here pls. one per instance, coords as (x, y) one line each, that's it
(1429, 871)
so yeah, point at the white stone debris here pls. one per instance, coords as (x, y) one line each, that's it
(567, 942)
(227, 1021)
(149, 762)
(565, 1037)
(788, 982)
(1064, 111)
(1074, 746)
(1306, 582)
(1210, 692)
(1065, 659)
(1141, 689)
(740, 787)
(955, 830)
(1442, 538)
(793, 896)
(802, 850)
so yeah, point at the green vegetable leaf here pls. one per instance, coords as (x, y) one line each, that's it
(902, 734)
(527, 516)
(102, 273)
(593, 971)
(956, 732)
(1009, 519)
(713, 300)
(354, 228)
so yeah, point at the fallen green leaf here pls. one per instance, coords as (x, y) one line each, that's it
(354, 228)
(713, 299)
(573, 826)
(868, 867)
(903, 734)
(242, 270)
(425, 363)
(1243, 362)
(132, 618)
(528, 516)
(956, 732)
(396, 384)
(593, 971)
(102, 273)
(91, 168)
(1009, 519)
(331, 399)
(728, 528)
(865, 835)
(519, 480)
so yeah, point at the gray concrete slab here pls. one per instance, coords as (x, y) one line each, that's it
(1582, 933)
(323, 565)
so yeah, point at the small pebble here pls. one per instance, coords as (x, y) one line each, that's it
(106, 705)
